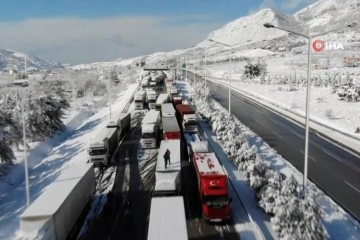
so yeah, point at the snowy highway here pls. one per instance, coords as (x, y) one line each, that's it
(334, 169)
(135, 175)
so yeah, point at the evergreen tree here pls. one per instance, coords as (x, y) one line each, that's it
(43, 117)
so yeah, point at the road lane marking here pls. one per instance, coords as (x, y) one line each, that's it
(352, 186)
(332, 154)
(309, 156)
(277, 122)
(297, 134)
(277, 134)
(258, 111)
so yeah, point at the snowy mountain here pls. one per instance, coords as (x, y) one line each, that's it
(328, 14)
(250, 29)
(252, 39)
(12, 60)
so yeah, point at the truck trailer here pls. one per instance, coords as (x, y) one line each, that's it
(170, 128)
(174, 95)
(212, 185)
(54, 213)
(140, 99)
(162, 98)
(187, 118)
(167, 219)
(145, 82)
(168, 180)
(167, 110)
(103, 146)
(151, 98)
(150, 129)
(122, 122)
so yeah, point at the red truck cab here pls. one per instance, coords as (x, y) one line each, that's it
(187, 118)
(213, 187)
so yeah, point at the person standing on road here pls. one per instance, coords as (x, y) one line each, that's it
(167, 157)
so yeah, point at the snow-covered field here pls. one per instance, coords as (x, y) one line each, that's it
(48, 159)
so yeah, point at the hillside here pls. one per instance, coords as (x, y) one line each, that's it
(10, 60)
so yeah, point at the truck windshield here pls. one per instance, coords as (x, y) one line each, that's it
(148, 135)
(216, 201)
(191, 123)
(138, 100)
(97, 151)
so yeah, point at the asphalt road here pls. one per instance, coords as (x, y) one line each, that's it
(333, 169)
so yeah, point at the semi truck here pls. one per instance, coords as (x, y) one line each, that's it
(187, 118)
(167, 110)
(168, 179)
(122, 122)
(174, 94)
(167, 219)
(190, 138)
(170, 128)
(162, 98)
(150, 129)
(140, 99)
(212, 185)
(151, 98)
(145, 82)
(103, 146)
(55, 212)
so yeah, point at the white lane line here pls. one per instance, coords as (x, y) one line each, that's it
(277, 134)
(297, 134)
(352, 186)
(309, 156)
(274, 121)
(257, 111)
(332, 154)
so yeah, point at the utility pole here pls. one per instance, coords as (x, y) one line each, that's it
(25, 68)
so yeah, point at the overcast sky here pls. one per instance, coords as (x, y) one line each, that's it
(83, 31)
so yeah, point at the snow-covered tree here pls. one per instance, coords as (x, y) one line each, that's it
(43, 117)
(6, 153)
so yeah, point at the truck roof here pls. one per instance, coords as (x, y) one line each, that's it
(162, 98)
(175, 156)
(208, 164)
(151, 116)
(150, 91)
(170, 124)
(184, 109)
(199, 147)
(140, 93)
(191, 137)
(147, 128)
(167, 109)
(102, 135)
(167, 219)
(55, 194)
(115, 121)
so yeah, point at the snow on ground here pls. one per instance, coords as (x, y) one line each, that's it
(324, 106)
(48, 159)
(338, 224)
